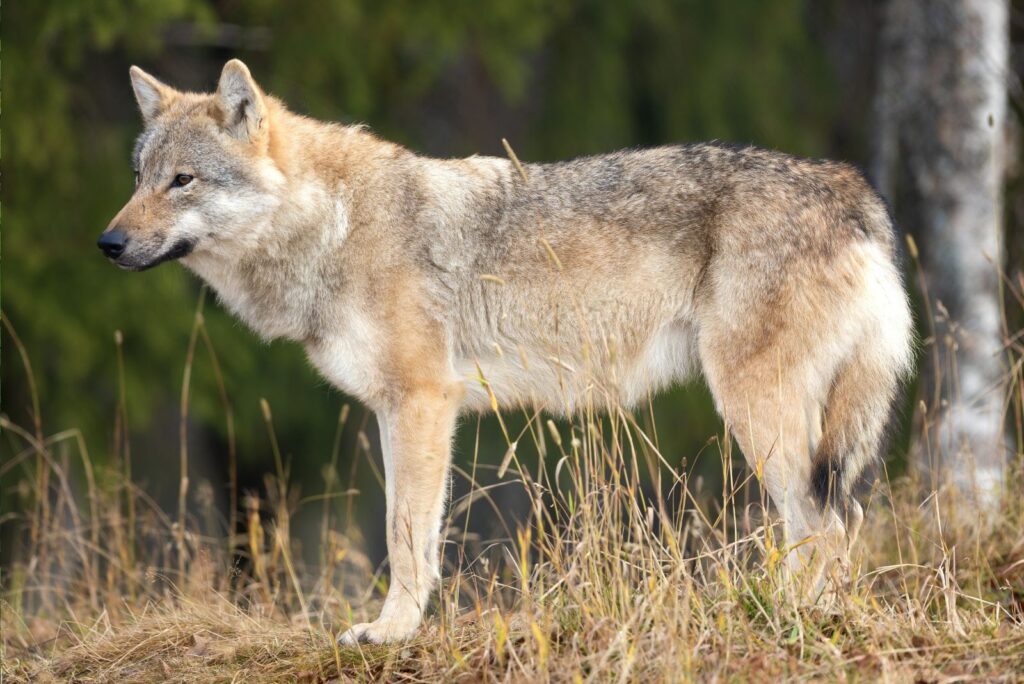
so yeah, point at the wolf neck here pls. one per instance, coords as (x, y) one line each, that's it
(274, 288)
(286, 279)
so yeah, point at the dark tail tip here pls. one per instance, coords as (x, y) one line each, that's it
(827, 480)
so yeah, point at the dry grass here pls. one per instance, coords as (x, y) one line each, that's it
(623, 570)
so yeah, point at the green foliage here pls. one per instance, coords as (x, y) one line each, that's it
(647, 73)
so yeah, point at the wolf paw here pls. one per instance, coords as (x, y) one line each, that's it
(380, 631)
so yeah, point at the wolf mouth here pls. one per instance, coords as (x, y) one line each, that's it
(181, 248)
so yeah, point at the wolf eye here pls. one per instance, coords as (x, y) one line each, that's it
(181, 180)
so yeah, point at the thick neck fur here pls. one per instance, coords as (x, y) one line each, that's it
(286, 277)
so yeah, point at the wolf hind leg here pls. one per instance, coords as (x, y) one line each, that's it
(775, 421)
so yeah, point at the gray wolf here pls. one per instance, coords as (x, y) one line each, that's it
(425, 286)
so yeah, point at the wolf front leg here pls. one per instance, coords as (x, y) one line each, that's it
(416, 441)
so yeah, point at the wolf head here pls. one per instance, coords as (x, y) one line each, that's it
(204, 181)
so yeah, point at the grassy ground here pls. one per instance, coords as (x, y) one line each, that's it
(622, 613)
(624, 570)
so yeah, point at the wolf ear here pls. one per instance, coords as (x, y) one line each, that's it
(152, 95)
(241, 102)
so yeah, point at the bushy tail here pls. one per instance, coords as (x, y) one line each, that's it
(860, 404)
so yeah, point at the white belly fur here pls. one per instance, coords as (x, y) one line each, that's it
(568, 383)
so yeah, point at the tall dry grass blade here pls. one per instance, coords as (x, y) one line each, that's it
(186, 384)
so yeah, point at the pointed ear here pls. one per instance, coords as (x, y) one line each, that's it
(152, 95)
(241, 102)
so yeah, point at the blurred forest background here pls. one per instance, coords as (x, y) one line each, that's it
(446, 78)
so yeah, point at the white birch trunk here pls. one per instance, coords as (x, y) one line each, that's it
(939, 159)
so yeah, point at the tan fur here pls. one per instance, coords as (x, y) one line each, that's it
(590, 283)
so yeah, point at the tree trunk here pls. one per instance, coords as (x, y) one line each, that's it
(939, 159)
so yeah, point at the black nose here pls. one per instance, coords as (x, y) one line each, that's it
(112, 242)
